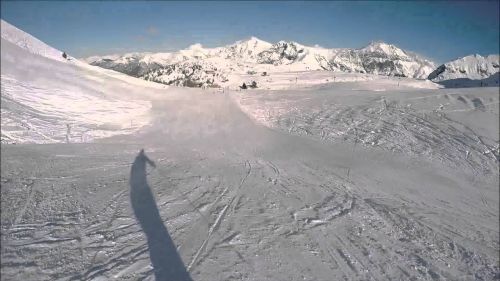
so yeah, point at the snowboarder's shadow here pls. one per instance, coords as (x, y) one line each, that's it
(163, 253)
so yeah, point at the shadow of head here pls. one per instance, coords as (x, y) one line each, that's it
(163, 254)
(141, 159)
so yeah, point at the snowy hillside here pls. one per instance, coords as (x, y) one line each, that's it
(27, 42)
(467, 69)
(212, 66)
(43, 94)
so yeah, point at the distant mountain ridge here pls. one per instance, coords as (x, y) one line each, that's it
(197, 66)
(201, 67)
(473, 70)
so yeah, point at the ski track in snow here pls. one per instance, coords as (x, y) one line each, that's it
(394, 125)
(236, 213)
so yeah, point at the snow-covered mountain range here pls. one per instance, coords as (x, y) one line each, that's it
(473, 70)
(472, 67)
(225, 66)
(198, 66)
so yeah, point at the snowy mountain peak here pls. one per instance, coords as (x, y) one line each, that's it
(255, 40)
(252, 43)
(196, 46)
(383, 48)
(282, 52)
(381, 43)
(244, 50)
(473, 67)
(378, 44)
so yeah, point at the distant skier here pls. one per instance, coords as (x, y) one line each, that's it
(64, 55)
(68, 132)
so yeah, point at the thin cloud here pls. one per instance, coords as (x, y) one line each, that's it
(140, 38)
(152, 31)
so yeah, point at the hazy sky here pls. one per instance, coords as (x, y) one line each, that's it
(441, 31)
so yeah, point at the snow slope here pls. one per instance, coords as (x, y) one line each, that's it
(248, 202)
(42, 93)
(27, 42)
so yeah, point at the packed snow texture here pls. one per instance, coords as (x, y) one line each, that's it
(325, 176)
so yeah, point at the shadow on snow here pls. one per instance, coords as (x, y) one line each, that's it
(163, 253)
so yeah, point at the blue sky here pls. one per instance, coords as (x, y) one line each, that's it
(441, 31)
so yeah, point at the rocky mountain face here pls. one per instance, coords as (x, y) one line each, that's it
(131, 65)
(386, 59)
(187, 74)
(471, 70)
(380, 58)
(282, 53)
(200, 67)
